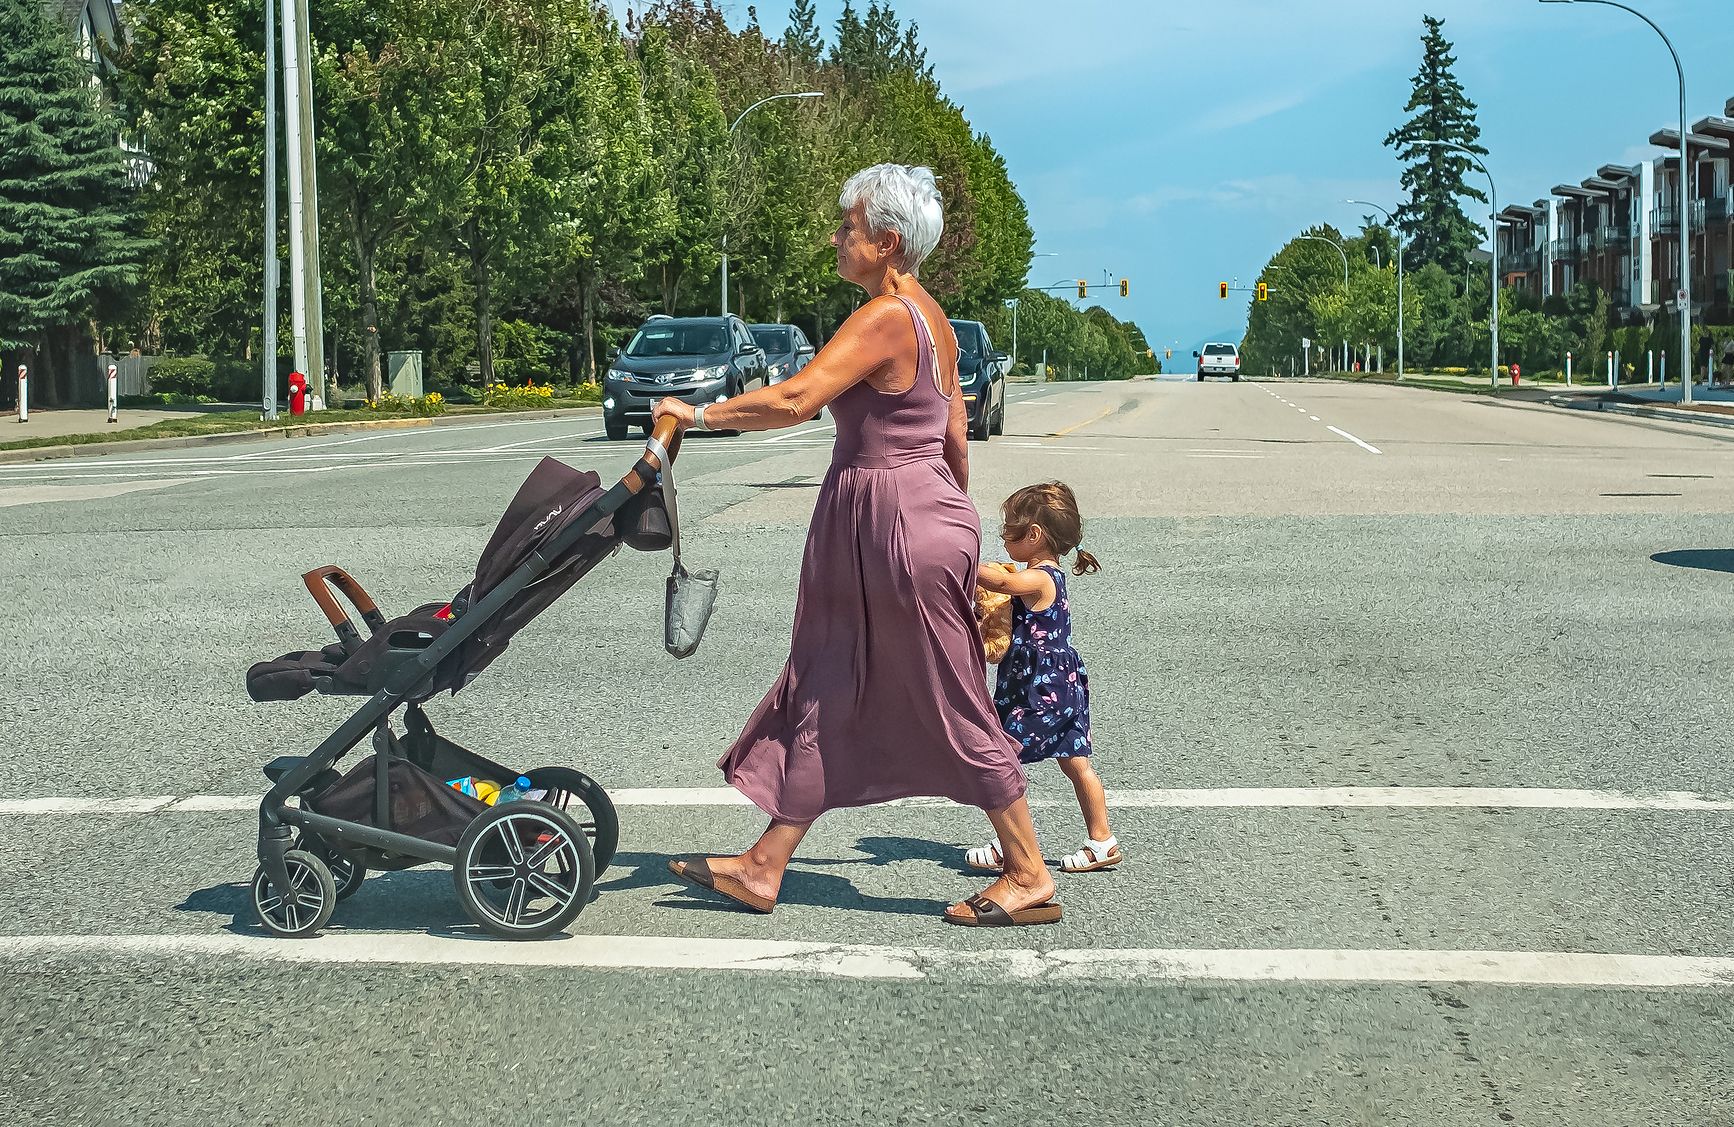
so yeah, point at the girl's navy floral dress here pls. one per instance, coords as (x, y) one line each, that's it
(1043, 694)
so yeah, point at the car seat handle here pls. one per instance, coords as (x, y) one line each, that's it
(320, 582)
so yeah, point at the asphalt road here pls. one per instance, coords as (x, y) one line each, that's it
(1412, 707)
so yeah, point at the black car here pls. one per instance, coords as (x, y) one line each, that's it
(697, 359)
(787, 349)
(981, 375)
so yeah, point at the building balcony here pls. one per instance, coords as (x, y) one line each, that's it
(1719, 208)
(1563, 249)
(1666, 218)
(1616, 235)
(1525, 260)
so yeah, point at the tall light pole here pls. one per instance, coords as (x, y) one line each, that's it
(305, 303)
(1684, 296)
(1345, 254)
(268, 368)
(1493, 198)
(732, 128)
(1017, 302)
(1397, 231)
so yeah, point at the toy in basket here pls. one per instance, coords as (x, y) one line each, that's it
(522, 869)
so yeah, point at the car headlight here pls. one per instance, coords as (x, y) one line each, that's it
(714, 373)
(608, 403)
(617, 374)
(776, 369)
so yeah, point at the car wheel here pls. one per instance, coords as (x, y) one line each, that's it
(1235, 377)
(979, 429)
(616, 428)
(998, 424)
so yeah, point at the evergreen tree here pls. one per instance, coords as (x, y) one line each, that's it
(852, 51)
(912, 56)
(1435, 177)
(803, 40)
(67, 247)
(882, 34)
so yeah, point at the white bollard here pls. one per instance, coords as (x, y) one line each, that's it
(1610, 369)
(1568, 369)
(1650, 367)
(1664, 369)
(23, 394)
(113, 393)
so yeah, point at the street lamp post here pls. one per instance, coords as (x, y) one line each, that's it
(1018, 302)
(737, 121)
(1345, 254)
(1395, 230)
(268, 369)
(1684, 296)
(1493, 198)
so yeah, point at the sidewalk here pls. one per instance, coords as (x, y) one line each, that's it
(79, 420)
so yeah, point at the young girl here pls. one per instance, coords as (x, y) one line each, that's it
(1043, 695)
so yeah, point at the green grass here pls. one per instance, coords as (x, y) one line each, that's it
(199, 423)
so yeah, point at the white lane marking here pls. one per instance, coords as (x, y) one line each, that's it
(1490, 798)
(1225, 455)
(33, 493)
(908, 964)
(1314, 418)
(802, 433)
(1364, 446)
(543, 441)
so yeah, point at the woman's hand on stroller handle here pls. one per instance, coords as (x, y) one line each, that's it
(668, 407)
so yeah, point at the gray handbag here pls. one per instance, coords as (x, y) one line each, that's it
(691, 594)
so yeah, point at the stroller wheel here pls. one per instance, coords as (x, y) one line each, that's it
(594, 812)
(347, 872)
(523, 870)
(308, 904)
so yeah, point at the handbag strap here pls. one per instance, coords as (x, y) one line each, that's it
(666, 481)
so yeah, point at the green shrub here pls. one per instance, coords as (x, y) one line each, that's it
(422, 405)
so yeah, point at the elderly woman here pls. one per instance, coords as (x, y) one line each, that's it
(885, 692)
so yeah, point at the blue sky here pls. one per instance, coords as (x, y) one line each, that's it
(1181, 144)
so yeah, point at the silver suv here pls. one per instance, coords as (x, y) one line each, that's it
(1218, 360)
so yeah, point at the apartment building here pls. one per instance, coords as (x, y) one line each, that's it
(1620, 229)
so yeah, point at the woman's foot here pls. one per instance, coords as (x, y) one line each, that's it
(755, 886)
(1020, 903)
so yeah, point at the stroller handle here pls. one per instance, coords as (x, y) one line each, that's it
(666, 434)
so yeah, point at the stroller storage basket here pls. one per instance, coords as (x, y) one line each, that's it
(416, 803)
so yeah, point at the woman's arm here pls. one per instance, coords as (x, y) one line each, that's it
(864, 344)
(957, 438)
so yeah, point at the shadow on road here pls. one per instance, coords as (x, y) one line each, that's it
(1702, 559)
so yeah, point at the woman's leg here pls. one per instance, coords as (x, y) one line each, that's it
(1091, 799)
(1024, 880)
(761, 868)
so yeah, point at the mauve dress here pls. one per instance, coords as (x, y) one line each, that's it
(885, 692)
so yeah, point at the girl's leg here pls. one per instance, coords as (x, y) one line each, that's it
(1091, 799)
(761, 868)
(1024, 881)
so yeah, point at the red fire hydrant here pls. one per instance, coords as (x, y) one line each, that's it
(297, 393)
(1515, 372)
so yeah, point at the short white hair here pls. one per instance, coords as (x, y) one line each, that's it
(902, 198)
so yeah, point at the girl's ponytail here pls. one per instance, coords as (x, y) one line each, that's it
(1085, 563)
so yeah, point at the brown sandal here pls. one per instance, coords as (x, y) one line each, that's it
(986, 913)
(696, 870)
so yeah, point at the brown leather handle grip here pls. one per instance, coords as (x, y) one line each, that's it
(320, 582)
(668, 433)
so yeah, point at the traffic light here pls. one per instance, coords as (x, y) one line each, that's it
(1125, 288)
(1263, 292)
(1224, 289)
(1083, 289)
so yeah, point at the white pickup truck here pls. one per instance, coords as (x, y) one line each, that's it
(1218, 360)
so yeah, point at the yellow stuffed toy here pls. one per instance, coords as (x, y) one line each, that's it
(993, 616)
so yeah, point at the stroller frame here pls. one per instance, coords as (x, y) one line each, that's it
(409, 680)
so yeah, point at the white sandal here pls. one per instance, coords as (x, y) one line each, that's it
(986, 858)
(1094, 856)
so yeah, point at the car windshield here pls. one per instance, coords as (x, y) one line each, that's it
(772, 340)
(666, 338)
(1219, 350)
(966, 338)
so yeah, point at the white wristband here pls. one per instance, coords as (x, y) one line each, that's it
(698, 417)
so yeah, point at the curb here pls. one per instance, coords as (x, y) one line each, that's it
(1654, 414)
(300, 430)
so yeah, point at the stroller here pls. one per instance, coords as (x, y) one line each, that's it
(522, 869)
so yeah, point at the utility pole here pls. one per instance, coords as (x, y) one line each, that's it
(268, 366)
(304, 291)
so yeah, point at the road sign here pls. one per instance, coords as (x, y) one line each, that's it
(1305, 343)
